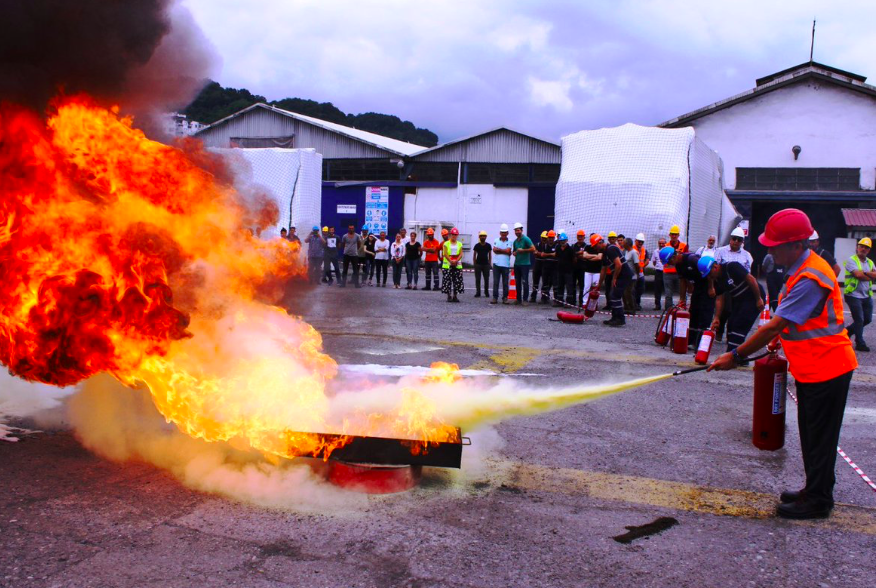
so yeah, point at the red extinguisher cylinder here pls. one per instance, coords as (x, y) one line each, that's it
(667, 324)
(681, 332)
(592, 303)
(705, 347)
(768, 413)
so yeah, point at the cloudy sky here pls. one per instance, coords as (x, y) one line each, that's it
(545, 68)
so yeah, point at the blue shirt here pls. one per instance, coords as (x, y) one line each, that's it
(502, 259)
(804, 301)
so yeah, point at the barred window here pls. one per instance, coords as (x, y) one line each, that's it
(812, 179)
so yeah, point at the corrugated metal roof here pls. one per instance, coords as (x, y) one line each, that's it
(860, 217)
(392, 145)
(499, 145)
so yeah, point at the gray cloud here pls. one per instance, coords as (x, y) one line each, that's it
(549, 68)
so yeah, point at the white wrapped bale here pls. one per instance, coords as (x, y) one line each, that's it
(633, 179)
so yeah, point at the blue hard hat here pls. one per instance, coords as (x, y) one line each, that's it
(666, 254)
(315, 228)
(364, 227)
(705, 265)
(562, 237)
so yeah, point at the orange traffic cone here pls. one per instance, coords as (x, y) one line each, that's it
(765, 313)
(512, 288)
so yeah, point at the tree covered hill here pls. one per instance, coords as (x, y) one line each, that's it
(215, 102)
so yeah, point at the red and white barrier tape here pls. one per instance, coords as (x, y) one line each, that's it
(842, 453)
(581, 308)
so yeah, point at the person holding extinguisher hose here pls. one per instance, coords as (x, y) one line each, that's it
(690, 279)
(809, 322)
(736, 282)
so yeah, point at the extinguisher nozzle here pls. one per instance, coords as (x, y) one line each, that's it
(690, 370)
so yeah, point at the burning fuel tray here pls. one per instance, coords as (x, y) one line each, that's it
(387, 451)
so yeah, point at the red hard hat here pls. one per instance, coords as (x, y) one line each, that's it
(454, 231)
(786, 226)
(594, 239)
(430, 231)
(581, 233)
(552, 234)
(444, 231)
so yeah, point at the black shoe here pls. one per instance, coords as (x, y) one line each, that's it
(518, 302)
(504, 301)
(616, 324)
(455, 299)
(477, 295)
(532, 298)
(494, 301)
(449, 299)
(804, 508)
(789, 496)
(427, 288)
(408, 287)
(861, 347)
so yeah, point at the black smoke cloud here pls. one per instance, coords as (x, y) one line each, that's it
(147, 56)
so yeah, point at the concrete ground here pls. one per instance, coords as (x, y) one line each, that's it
(541, 511)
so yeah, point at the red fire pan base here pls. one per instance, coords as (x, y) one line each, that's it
(373, 478)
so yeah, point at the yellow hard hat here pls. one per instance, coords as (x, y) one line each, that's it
(544, 234)
(674, 230)
(484, 233)
(612, 234)
(866, 242)
(325, 229)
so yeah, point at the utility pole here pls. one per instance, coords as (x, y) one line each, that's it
(812, 43)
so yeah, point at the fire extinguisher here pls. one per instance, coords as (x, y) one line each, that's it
(681, 332)
(705, 347)
(666, 326)
(592, 303)
(768, 413)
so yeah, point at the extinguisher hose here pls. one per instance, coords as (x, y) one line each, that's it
(705, 367)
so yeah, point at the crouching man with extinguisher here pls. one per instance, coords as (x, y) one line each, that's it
(736, 281)
(691, 279)
(809, 321)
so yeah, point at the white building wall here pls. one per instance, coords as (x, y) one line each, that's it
(835, 127)
(470, 207)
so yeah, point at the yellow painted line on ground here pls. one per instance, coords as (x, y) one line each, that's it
(677, 495)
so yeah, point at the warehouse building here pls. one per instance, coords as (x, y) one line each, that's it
(803, 137)
(475, 183)
(353, 161)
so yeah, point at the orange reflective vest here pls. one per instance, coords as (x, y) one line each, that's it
(642, 257)
(819, 349)
(682, 248)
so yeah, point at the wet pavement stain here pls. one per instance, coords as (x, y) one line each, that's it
(637, 532)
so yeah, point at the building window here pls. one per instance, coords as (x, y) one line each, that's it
(357, 170)
(509, 173)
(434, 172)
(809, 179)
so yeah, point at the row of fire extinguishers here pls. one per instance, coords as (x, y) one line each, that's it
(770, 374)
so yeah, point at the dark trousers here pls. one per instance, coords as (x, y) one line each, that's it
(381, 266)
(499, 274)
(640, 289)
(578, 277)
(774, 286)
(482, 271)
(725, 315)
(432, 269)
(367, 264)
(536, 278)
(702, 309)
(820, 417)
(348, 261)
(548, 271)
(521, 278)
(629, 297)
(616, 298)
(412, 269)
(658, 288)
(314, 269)
(329, 263)
(741, 319)
(564, 285)
(397, 271)
(862, 315)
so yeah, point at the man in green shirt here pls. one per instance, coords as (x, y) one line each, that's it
(522, 249)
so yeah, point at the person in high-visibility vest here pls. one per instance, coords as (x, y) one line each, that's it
(643, 262)
(859, 291)
(451, 267)
(671, 283)
(809, 321)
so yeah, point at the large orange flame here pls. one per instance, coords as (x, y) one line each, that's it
(124, 255)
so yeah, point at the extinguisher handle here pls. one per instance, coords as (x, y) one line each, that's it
(774, 345)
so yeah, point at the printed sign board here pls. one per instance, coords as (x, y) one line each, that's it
(377, 208)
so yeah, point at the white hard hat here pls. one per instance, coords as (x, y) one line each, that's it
(738, 232)
(518, 225)
(814, 236)
(640, 237)
(503, 228)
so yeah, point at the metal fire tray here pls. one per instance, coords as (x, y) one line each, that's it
(387, 451)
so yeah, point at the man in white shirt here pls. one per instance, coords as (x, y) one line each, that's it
(709, 249)
(501, 264)
(658, 273)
